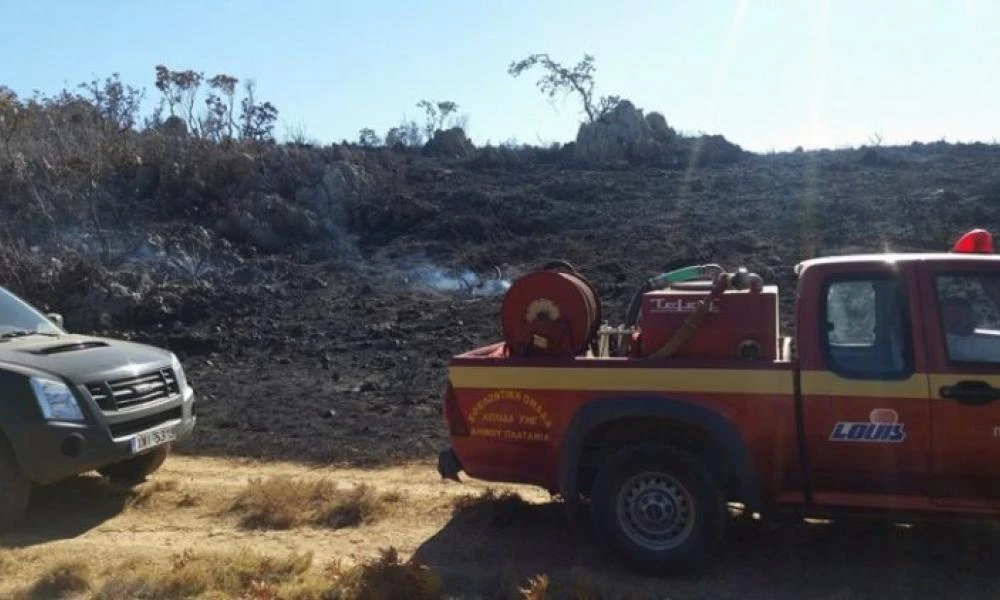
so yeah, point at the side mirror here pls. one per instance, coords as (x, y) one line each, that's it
(57, 319)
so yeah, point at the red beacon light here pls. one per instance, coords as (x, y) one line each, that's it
(977, 241)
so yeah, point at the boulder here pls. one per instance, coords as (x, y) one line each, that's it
(332, 200)
(340, 186)
(175, 126)
(871, 157)
(625, 135)
(714, 150)
(659, 128)
(270, 223)
(450, 143)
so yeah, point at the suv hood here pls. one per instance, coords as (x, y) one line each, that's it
(82, 359)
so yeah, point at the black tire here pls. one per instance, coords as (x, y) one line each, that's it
(683, 518)
(135, 470)
(15, 489)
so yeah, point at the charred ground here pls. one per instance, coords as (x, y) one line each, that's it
(315, 294)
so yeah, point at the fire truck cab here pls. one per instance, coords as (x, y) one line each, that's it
(899, 383)
(885, 397)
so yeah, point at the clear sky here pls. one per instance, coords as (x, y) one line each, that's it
(767, 75)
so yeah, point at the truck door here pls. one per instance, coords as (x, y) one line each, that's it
(865, 416)
(963, 326)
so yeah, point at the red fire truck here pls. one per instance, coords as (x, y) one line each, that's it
(885, 397)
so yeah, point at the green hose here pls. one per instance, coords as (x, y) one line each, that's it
(677, 276)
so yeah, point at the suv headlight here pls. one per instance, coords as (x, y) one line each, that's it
(175, 364)
(56, 400)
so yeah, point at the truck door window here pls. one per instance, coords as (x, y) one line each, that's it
(970, 317)
(864, 329)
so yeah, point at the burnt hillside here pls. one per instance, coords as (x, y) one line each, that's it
(315, 293)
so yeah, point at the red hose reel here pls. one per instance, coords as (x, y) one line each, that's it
(550, 313)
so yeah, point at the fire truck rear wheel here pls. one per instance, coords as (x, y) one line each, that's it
(658, 507)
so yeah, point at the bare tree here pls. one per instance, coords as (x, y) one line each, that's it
(368, 137)
(407, 133)
(560, 79)
(12, 117)
(116, 105)
(438, 115)
(220, 123)
(257, 118)
(180, 93)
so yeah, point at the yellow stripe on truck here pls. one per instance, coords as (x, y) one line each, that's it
(824, 383)
(706, 381)
(624, 380)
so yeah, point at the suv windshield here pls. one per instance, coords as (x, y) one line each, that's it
(18, 317)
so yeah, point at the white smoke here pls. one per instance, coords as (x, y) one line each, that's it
(430, 277)
(151, 253)
(194, 257)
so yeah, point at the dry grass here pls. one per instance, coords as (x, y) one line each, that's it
(561, 584)
(85, 493)
(62, 580)
(7, 564)
(196, 575)
(495, 544)
(582, 584)
(161, 494)
(490, 507)
(488, 499)
(242, 574)
(388, 577)
(284, 502)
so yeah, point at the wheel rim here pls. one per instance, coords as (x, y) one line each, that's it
(656, 511)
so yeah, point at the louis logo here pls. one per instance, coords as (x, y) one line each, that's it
(883, 426)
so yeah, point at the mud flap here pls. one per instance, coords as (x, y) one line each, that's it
(448, 465)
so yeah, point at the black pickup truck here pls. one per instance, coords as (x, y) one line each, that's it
(70, 404)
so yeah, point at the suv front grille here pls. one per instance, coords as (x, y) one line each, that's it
(120, 430)
(129, 392)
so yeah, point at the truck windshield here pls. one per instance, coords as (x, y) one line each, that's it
(18, 318)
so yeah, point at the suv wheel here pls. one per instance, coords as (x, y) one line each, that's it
(15, 489)
(135, 470)
(659, 507)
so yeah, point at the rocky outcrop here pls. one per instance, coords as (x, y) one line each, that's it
(274, 223)
(332, 201)
(450, 143)
(270, 223)
(658, 126)
(714, 150)
(625, 135)
(341, 185)
(175, 126)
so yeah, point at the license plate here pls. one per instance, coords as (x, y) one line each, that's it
(151, 439)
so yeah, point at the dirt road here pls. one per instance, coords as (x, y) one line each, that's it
(482, 548)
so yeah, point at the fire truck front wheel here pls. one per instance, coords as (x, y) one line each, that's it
(658, 507)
